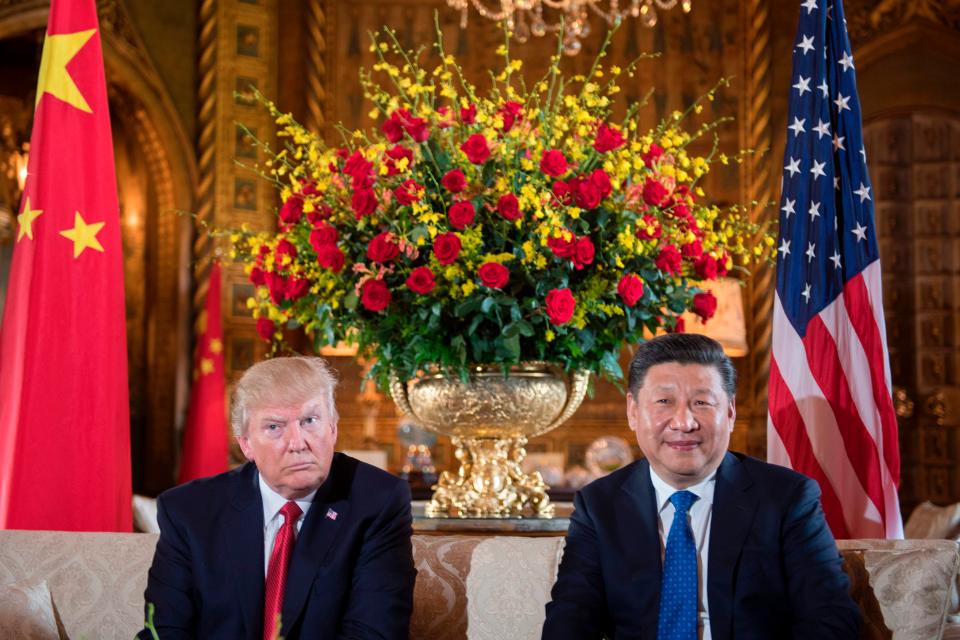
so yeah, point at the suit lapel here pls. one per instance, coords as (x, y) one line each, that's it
(243, 528)
(637, 521)
(320, 529)
(732, 516)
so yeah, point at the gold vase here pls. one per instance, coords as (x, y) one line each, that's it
(489, 419)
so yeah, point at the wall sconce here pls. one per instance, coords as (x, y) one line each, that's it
(727, 326)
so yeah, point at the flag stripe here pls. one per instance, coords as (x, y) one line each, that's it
(860, 515)
(790, 428)
(864, 323)
(828, 371)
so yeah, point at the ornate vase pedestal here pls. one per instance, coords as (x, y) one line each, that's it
(489, 419)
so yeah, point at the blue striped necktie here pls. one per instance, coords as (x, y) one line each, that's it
(678, 590)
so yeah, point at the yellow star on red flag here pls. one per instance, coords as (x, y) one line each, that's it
(83, 235)
(25, 219)
(58, 50)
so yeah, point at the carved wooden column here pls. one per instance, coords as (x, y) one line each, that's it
(237, 51)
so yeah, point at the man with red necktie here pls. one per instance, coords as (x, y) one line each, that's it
(300, 542)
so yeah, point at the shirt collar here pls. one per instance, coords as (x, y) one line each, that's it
(273, 501)
(703, 489)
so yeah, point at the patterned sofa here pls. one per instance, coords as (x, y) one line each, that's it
(475, 587)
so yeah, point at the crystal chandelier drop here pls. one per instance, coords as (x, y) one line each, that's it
(539, 17)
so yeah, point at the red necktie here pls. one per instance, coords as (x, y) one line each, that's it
(277, 569)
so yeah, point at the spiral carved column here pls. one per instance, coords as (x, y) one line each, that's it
(316, 66)
(206, 148)
(758, 186)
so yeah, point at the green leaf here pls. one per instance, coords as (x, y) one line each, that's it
(508, 348)
(350, 301)
(467, 307)
(488, 304)
(611, 365)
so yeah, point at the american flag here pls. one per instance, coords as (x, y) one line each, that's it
(831, 414)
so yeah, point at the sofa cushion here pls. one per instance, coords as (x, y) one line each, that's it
(440, 595)
(509, 586)
(909, 584)
(26, 612)
(96, 579)
(928, 521)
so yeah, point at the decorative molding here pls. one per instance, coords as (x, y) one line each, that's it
(866, 19)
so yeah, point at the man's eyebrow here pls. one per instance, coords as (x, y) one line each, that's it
(272, 419)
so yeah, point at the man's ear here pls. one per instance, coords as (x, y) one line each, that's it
(632, 409)
(732, 412)
(245, 447)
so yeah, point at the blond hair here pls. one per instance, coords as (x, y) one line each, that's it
(288, 381)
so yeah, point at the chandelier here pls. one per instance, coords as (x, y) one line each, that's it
(526, 17)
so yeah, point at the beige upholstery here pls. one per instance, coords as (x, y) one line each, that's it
(26, 612)
(476, 587)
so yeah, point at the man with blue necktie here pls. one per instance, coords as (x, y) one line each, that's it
(695, 542)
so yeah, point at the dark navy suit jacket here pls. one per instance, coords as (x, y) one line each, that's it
(773, 567)
(351, 576)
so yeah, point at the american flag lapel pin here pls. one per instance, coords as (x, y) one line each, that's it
(331, 514)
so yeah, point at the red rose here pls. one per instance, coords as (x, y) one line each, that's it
(364, 202)
(654, 193)
(511, 112)
(421, 280)
(394, 155)
(704, 305)
(383, 248)
(408, 192)
(560, 306)
(375, 296)
(358, 168)
(419, 129)
(285, 248)
(266, 328)
(679, 326)
(509, 207)
(493, 275)
(562, 192)
(585, 193)
(296, 288)
(468, 115)
(258, 276)
(277, 285)
(476, 149)
(601, 180)
(630, 289)
(392, 129)
(722, 265)
(653, 229)
(319, 215)
(692, 249)
(329, 256)
(553, 163)
(446, 247)
(446, 117)
(454, 181)
(669, 260)
(653, 155)
(323, 234)
(561, 247)
(607, 139)
(706, 267)
(680, 210)
(292, 210)
(583, 252)
(461, 214)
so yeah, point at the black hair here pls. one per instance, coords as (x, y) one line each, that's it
(682, 348)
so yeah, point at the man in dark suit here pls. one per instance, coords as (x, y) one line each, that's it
(748, 555)
(300, 539)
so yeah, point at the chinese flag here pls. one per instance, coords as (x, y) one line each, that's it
(64, 414)
(205, 439)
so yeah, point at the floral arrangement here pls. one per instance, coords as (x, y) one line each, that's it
(513, 226)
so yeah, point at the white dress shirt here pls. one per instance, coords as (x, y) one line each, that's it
(272, 520)
(699, 519)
